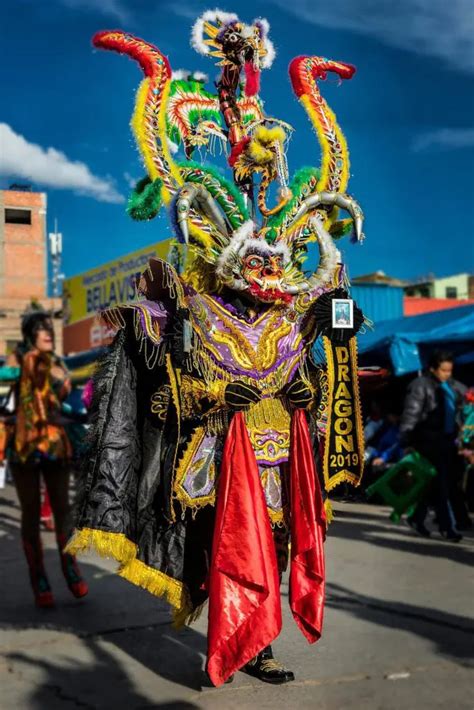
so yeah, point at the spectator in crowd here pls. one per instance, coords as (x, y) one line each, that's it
(466, 450)
(372, 426)
(387, 448)
(430, 424)
(39, 446)
(382, 442)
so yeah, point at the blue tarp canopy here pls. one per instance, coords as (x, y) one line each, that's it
(405, 343)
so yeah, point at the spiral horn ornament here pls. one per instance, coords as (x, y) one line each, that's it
(332, 199)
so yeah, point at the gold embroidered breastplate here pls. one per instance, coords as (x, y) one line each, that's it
(264, 352)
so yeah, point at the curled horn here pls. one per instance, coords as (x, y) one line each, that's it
(329, 260)
(333, 199)
(196, 195)
(330, 256)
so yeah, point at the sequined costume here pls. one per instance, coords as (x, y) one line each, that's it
(209, 410)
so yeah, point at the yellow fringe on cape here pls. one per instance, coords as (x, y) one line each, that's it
(120, 548)
(328, 509)
(106, 544)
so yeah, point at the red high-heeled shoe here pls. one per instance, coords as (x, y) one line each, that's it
(77, 585)
(39, 581)
(79, 589)
(44, 596)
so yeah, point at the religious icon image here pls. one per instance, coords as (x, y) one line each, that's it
(342, 313)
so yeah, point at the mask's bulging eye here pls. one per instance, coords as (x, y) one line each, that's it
(233, 38)
(254, 262)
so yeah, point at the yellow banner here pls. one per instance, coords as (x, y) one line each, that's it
(108, 285)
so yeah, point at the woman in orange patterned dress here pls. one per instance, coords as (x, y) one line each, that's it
(39, 446)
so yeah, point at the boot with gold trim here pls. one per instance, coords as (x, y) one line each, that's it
(266, 668)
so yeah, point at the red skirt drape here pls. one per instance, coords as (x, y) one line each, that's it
(244, 594)
(308, 530)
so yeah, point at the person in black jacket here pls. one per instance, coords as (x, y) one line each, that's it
(430, 423)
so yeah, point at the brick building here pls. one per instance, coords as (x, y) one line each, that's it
(23, 263)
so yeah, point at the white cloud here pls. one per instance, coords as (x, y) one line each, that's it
(130, 180)
(112, 8)
(51, 168)
(438, 28)
(445, 139)
(182, 9)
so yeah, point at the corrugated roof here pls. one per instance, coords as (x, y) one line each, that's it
(414, 305)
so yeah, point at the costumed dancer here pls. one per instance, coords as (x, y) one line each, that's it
(216, 436)
(36, 445)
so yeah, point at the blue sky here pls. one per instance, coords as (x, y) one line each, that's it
(408, 115)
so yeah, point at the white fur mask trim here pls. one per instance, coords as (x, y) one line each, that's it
(241, 241)
(260, 245)
(197, 33)
(230, 253)
(264, 23)
(269, 58)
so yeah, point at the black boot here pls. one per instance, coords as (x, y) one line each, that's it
(419, 528)
(451, 536)
(266, 668)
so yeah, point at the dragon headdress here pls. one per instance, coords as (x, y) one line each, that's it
(219, 217)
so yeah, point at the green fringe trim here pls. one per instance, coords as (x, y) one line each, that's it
(194, 116)
(145, 201)
(341, 228)
(220, 188)
(299, 188)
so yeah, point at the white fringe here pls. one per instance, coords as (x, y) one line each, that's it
(197, 33)
(264, 23)
(269, 58)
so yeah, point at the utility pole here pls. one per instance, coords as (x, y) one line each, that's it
(56, 252)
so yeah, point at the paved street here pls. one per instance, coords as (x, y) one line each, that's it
(398, 632)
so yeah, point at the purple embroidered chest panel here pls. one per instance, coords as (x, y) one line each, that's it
(273, 342)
